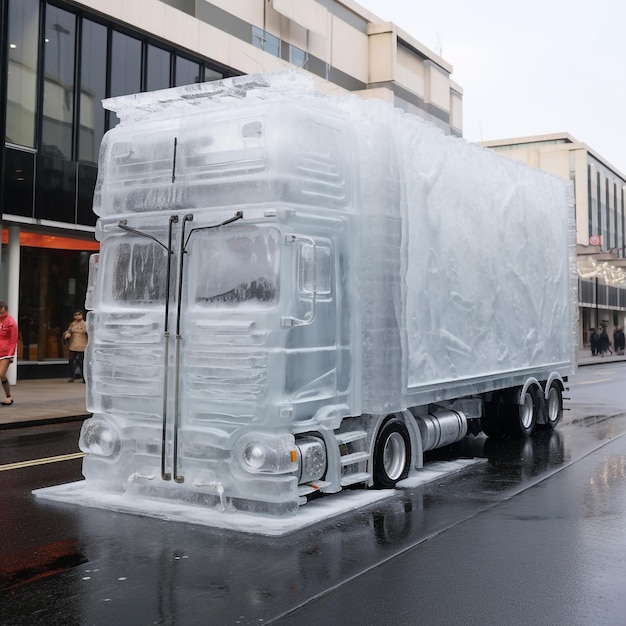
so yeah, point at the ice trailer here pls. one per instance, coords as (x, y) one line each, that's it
(297, 293)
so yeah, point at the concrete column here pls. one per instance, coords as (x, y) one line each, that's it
(13, 287)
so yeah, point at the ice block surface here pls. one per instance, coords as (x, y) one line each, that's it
(272, 256)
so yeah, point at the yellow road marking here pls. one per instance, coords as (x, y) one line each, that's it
(50, 459)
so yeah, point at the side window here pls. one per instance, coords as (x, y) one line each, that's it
(314, 270)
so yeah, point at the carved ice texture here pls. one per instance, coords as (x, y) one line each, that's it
(377, 265)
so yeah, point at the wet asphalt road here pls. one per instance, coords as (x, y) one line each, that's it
(553, 554)
(534, 534)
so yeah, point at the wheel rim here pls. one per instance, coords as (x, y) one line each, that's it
(527, 412)
(394, 456)
(554, 406)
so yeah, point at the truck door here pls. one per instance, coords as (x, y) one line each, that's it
(260, 325)
(316, 371)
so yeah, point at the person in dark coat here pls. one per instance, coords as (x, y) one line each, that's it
(619, 340)
(594, 339)
(603, 343)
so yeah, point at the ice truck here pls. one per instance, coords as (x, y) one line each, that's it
(298, 293)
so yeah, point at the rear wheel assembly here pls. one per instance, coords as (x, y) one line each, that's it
(554, 405)
(521, 417)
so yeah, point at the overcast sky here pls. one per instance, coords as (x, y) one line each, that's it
(528, 68)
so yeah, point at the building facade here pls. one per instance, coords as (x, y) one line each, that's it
(60, 59)
(600, 201)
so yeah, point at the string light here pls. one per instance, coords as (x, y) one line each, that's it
(590, 268)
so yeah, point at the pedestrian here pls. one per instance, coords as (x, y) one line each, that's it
(619, 341)
(76, 336)
(604, 345)
(8, 345)
(595, 337)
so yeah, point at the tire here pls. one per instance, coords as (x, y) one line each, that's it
(553, 409)
(521, 417)
(392, 454)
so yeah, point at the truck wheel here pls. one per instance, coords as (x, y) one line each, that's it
(554, 406)
(392, 454)
(521, 418)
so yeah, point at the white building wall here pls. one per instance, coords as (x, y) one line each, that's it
(349, 50)
(361, 51)
(410, 72)
(456, 109)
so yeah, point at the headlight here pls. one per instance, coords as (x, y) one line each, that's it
(98, 437)
(266, 453)
(254, 455)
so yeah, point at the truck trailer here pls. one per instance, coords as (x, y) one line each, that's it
(298, 293)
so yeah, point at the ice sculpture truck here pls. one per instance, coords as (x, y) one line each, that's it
(297, 293)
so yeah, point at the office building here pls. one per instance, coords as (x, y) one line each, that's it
(600, 196)
(59, 60)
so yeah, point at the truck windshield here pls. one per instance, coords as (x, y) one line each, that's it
(234, 266)
(138, 271)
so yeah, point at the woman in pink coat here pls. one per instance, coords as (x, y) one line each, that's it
(8, 344)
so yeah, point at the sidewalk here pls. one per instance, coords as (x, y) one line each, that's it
(55, 400)
(43, 401)
(584, 358)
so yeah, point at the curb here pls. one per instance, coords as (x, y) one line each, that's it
(43, 421)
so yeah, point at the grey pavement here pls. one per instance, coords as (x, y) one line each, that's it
(41, 401)
(584, 358)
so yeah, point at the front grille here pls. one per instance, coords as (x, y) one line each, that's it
(226, 370)
(125, 356)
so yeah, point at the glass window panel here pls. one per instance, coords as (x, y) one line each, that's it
(55, 189)
(262, 39)
(125, 65)
(125, 68)
(58, 96)
(258, 37)
(22, 72)
(158, 71)
(297, 57)
(187, 72)
(272, 45)
(19, 180)
(590, 205)
(87, 175)
(597, 203)
(211, 74)
(92, 90)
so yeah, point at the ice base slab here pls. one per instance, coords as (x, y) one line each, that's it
(436, 470)
(308, 515)
(311, 513)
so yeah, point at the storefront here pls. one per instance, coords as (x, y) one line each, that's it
(59, 62)
(52, 276)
